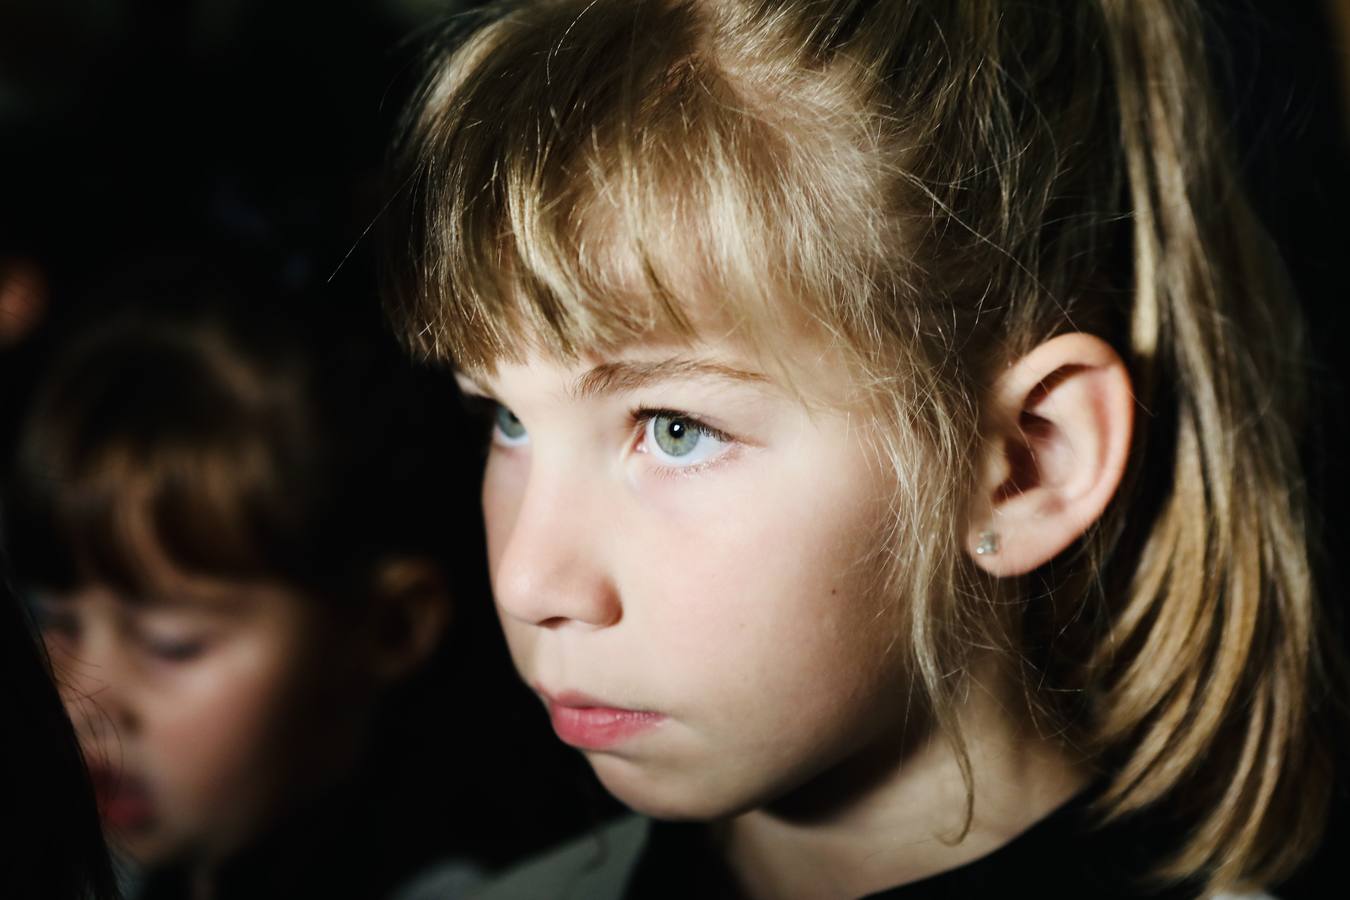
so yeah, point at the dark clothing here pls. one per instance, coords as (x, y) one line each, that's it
(342, 845)
(1061, 856)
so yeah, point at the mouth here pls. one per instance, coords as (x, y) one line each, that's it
(587, 723)
(124, 801)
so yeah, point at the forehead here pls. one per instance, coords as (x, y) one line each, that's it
(178, 592)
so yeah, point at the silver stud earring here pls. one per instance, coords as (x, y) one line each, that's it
(988, 544)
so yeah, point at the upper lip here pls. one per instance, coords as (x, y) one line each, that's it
(575, 700)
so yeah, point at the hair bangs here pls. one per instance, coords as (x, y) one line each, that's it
(134, 524)
(124, 478)
(570, 195)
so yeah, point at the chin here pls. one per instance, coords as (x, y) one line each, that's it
(666, 795)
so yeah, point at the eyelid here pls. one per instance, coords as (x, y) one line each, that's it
(479, 404)
(481, 410)
(173, 648)
(476, 396)
(176, 651)
(55, 621)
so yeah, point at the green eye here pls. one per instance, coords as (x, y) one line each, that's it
(508, 426)
(675, 436)
(679, 441)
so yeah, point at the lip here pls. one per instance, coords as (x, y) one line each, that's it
(590, 724)
(124, 801)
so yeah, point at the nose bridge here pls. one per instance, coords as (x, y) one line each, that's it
(552, 569)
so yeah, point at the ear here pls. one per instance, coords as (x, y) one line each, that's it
(1057, 440)
(23, 300)
(410, 611)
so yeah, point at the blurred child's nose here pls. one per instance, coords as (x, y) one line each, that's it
(547, 542)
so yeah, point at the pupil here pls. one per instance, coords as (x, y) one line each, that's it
(676, 429)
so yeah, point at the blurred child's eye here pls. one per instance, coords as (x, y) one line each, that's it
(55, 624)
(678, 440)
(507, 429)
(173, 649)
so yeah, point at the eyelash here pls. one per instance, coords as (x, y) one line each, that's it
(643, 414)
(173, 650)
(481, 411)
(177, 652)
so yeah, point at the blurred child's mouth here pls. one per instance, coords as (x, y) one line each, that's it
(123, 800)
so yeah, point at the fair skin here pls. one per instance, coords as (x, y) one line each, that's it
(680, 545)
(207, 707)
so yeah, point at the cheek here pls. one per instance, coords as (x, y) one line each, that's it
(222, 711)
(762, 635)
(503, 488)
(218, 742)
(765, 592)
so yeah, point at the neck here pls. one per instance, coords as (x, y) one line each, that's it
(894, 815)
(281, 836)
(202, 884)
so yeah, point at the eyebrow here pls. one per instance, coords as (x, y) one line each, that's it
(618, 377)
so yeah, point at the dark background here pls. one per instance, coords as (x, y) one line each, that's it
(127, 124)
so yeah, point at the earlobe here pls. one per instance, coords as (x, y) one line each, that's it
(1057, 442)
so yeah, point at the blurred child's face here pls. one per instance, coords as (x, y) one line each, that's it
(200, 710)
(683, 558)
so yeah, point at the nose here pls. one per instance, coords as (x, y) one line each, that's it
(546, 545)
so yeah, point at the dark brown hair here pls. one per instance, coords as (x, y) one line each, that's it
(227, 427)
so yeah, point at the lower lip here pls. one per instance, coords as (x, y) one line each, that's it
(599, 727)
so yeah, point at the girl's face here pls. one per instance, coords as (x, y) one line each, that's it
(200, 710)
(683, 558)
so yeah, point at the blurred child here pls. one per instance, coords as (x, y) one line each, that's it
(232, 514)
(894, 472)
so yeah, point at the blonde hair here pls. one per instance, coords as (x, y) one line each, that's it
(938, 186)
